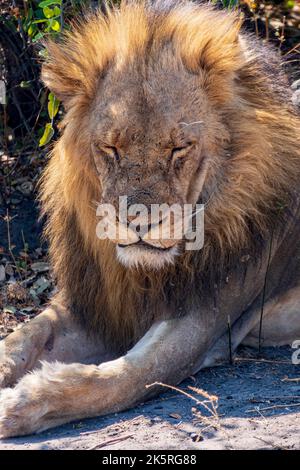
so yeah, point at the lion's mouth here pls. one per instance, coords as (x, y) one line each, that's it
(144, 245)
(142, 254)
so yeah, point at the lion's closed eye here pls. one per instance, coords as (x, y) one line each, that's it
(181, 151)
(106, 151)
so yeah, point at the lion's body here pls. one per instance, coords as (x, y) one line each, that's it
(147, 67)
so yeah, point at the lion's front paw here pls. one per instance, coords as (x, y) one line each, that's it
(21, 412)
(7, 365)
(5, 373)
(12, 365)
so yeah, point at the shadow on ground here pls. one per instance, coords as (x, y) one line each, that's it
(258, 408)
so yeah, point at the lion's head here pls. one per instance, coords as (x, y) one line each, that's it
(146, 92)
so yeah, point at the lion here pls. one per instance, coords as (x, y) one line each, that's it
(165, 103)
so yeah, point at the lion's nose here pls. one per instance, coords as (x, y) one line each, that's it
(132, 218)
(144, 223)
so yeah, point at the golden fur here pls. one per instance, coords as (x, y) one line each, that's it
(255, 173)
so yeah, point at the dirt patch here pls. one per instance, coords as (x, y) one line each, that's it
(258, 408)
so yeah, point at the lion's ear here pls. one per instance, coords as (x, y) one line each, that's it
(72, 67)
(211, 41)
(61, 74)
(210, 48)
(223, 52)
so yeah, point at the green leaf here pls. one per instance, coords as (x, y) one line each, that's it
(27, 20)
(48, 12)
(47, 136)
(31, 30)
(55, 25)
(230, 4)
(289, 4)
(38, 36)
(57, 11)
(46, 3)
(39, 21)
(21, 264)
(53, 106)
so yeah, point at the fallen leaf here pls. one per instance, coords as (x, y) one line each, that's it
(41, 285)
(40, 267)
(9, 309)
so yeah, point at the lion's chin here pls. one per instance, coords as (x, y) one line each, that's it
(139, 257)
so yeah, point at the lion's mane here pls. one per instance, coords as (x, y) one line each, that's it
(258, 177)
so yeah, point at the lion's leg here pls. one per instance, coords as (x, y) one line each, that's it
(280, 323)
(227, 343)
(52, 336)
(59, 393)
(280, 326)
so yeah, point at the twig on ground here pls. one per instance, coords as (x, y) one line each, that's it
(270, 399)
(210, 398)
(255, 17)
(110, 441)
(269, 361)
(286, 379)
(25, 250)
(267, 28)
(274, 446)
(7, 219)
(274, 407)
(295, 48)
(229, 340)
(262, 311)
(282, 37)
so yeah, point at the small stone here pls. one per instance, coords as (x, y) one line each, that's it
(196, 437)
(26, 188)
(15, 201)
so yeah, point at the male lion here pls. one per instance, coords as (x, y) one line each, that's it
(165, 103)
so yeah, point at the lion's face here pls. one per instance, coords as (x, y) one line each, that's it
(148, 145)
(150, 142)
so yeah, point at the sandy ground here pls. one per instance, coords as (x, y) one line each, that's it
(258, 408)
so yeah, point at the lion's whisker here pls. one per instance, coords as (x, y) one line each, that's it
(187, 124)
